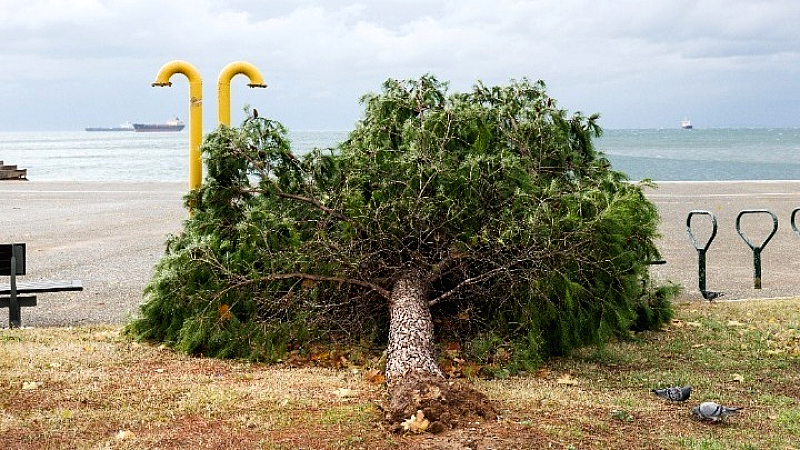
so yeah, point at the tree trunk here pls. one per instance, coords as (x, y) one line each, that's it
(419, 394)
(410, 346)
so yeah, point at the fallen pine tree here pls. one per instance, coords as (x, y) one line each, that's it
(485, 219)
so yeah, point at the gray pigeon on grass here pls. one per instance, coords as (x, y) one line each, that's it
(713, 412)
(674, 394)
(711, 295)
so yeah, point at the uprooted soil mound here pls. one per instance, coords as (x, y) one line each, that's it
(423, 402)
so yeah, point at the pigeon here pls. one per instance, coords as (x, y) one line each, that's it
(711, 411)
(711, 295)
(674, 394)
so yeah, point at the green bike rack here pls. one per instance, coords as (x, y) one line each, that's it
(757, 248)
(701, 250)
(793, 223)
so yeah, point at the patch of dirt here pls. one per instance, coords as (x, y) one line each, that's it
(594, 429)
(445, 404)
(196, 432)
(485, 435)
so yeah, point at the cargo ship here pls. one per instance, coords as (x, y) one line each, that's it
(170, 125)
(127, 126)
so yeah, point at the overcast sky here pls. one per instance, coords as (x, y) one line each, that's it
(67, 64)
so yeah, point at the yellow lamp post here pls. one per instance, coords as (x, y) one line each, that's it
(195, 113)
(224, 93)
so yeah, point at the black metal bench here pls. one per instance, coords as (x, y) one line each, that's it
(12, 263)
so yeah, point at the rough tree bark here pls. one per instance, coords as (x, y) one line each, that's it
(415, 381)
(410, 346)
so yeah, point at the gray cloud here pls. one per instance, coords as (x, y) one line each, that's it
(640, 64)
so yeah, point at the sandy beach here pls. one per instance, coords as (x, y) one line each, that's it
(111, 235)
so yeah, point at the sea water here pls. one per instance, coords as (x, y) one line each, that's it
(704, 154)
(119, 155)
(657, 154)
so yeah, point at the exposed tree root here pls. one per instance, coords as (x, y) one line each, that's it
(444, 403)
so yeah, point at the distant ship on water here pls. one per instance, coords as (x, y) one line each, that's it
(686, 124)
(127, 126)
(171, 125)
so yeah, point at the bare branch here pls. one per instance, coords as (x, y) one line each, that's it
(439, 269)
(307, 276)
(467, 282)
(278, 191)
(312, 201)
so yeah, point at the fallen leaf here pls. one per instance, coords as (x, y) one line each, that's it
(450, 369)
(434, 393)
(737, 377)
(345, 393)
(453, 349)
(31, 385)
(470, 369)
(224, 312)
(105, 335)
(124, 434)
(374, 376)
(320, 356)
(502, 354)
(567, 379)
(416, 423)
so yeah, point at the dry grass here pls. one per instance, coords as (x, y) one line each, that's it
(90, 388)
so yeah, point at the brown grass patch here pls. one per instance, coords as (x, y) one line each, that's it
(90, 388)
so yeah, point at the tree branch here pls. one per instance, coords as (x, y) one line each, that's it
(438, 270)
(319, 205)
(467, 282)
(307, 276)
(310, 200)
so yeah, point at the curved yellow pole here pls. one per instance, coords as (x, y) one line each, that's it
(224, 93)
(195, 113)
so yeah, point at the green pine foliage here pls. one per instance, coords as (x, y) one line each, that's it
(528, 240)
